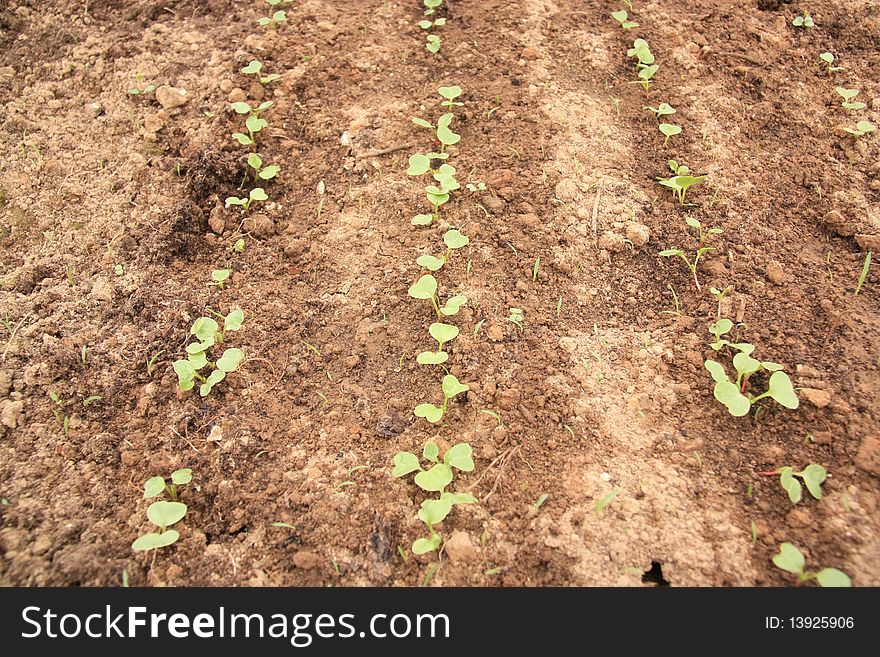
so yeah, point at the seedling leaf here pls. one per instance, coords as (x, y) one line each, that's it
(424, 288)
(430, 452)
(832, 577)
(460, 457)
(165, 514)
(789, 559)
(153, 486)
(429, 412)
(404, 463)
(435, 479)
(182, 476)
(782, 391)
(154, 541)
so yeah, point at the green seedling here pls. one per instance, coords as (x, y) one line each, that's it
(735, 395)
(151, 362)
(663, 109)
(791, 560)
(813, 475)
(476, 187)
(442, 333)
(432, 43)
(207, 333)
(58, 411)
(155, 486)
(256, 194)
(722, 327)
(669, 130)
(254, 122)
(516, 318)
(134, 91)
(672, 253)
(681, 181)
(255, 162)
(275, 18)
(454, 239)
(163, 514)
(255, 68)
(645, 75)
(450, 387)
(862, 128)
(642, 52)
(432, 6)
(239, 245)
(828, 59)
(604, 501)
(804, 20)
(676, 303)
(621, 17)
(427, 25)
(848, 95)
(437, 195)
(450, 94)
(435, 480)
(219, 277)
(864, 275)
(426, 288)
(148, 89)
(719, 296)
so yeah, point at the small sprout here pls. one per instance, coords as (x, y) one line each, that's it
(255, 162)
(450, 94)
(435, 480)
(219, 277)
(255, 67)
(604, 501)
(866, 267)
(848, 95)
(148, 89)
(645, 75)
(791, 560)
(119, 270)
(813, 475)
(163, 514)
(274, 19)
(804, 20)
(476, 187)
(253, 123)
(427, 25)
(516, 318)
(621, 17)
(541, 499)
(862, 128)
(641, 52)
(719, 296)
(663, 109)
(256, 194)
(239, 246)
(828, 59)
(450, 387)
(669, 130)
(432, 6)
(432, 43)
(681, 181)
(208, 333)
(699, 253)
(735, 396)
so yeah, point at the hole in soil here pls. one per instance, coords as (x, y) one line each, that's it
(654, 575)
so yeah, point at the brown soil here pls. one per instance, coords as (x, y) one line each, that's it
(607, 393)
